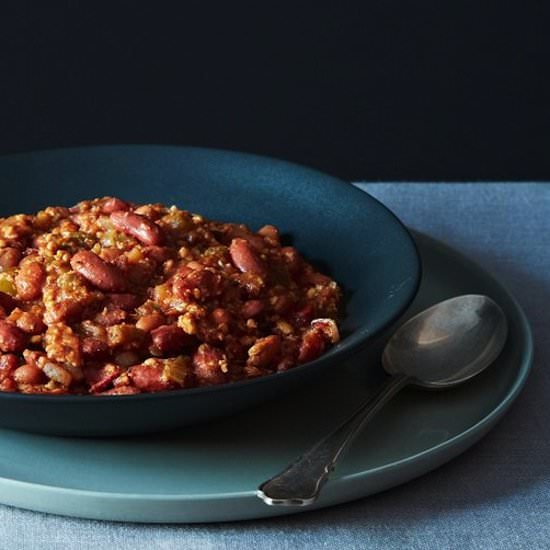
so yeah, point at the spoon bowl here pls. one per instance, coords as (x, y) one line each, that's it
(447, 343)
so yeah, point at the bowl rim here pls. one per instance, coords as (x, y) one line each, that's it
(361, 337)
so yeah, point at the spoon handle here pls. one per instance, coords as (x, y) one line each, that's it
(300, 483)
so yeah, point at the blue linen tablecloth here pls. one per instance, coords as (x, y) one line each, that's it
(496, 495)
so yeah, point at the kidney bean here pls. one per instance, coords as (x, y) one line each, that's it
(265, 351)
(8, 384)
(127, 302)
(94, 348)
(138, 226)
(327, 328)
(74, 371)
(168, 340)
(9, 257)
(304, 315)
(7, 303)
(149, 377)
(114, 204)
(158, 253)
(100, 378)
(311, 346)
(12, 339)
(113, 256)
(138, 273)
(242, 232)
(270, 233)
(210, 365)
(8, 363)
(150, 322)
(251, 308)
(29, 374)
(99, 273)
(317, 278)
(29, 280)
(254, 240)
(246, 258)
(127, 359)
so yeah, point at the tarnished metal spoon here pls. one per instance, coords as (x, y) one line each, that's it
(439, 348)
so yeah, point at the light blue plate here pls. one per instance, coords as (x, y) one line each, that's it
(210, 473)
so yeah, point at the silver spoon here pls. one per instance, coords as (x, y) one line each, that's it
(439, 348)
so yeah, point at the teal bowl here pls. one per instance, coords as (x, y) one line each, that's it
(340, 229)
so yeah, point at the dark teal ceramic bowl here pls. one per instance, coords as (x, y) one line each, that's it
(341, 229)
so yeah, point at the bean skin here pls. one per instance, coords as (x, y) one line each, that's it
(8, 363)
(12, 339)
(126, 302)
(315, 339)
(150, 322)
(94, 348)
(149, 377)
(265, 351)
(100, 378)
(113, 204)
(311, 346)
(271, 234)
(29, 280)
(29, 374)
(328, 328)
(159, 254)
(168, 340)
(98, 272)
(137, 226)
(9, 257)
(252, 308)
(246, 258)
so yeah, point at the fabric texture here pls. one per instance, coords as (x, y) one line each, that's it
(494, 496)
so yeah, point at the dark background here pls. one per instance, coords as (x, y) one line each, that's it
(377, 90)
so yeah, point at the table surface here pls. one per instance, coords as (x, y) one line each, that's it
(496, 495)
